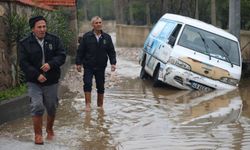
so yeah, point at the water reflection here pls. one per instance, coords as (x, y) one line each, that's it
(81, 129)
(177, 119)
(245, 94)
(213, 109)
(97, 134)
(199, 108)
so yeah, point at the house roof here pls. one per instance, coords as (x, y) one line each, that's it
(48, 4)
(58, 2)
(34, 3)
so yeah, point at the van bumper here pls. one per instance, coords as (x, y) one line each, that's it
(185, 79)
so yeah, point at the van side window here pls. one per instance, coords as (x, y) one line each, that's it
(168, 29)
(176, 31)
(158, 28)
(174, 35)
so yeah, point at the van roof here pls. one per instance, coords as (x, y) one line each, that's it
(199, 24)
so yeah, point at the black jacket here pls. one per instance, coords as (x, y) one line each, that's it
(91, 53)
(30, 58)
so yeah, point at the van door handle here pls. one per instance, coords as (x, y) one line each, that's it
(161, 46)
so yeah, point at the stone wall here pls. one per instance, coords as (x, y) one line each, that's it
(5, 77)
(5, 64)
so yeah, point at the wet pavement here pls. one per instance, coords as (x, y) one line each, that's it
(138, 116)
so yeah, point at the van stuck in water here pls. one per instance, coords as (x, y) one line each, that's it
(190, 54)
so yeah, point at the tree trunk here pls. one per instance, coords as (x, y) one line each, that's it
(100, 8)
(148, 19)
(131, 13)
(117, 8)
(164, 6)
(85, 10)
(196, 9)
(120, 6)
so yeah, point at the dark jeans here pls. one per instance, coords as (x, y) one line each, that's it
(99, 74)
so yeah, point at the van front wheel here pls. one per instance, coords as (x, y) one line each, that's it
(143, 73)
(156, 81)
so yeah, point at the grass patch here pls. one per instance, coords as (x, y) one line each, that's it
(13, 92)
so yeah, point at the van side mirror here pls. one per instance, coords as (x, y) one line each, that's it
(171, 40)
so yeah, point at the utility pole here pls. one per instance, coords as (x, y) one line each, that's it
(234, 17)
(213, 12)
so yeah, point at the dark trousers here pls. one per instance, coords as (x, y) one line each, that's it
(99, 74)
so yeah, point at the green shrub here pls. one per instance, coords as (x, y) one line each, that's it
(13, 92)
(17, 29)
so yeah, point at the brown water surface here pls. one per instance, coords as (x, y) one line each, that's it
(139, 116)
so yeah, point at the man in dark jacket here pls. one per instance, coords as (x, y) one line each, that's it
(93, 52)
(41, 55)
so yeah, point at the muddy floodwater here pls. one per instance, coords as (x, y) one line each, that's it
(138, 116)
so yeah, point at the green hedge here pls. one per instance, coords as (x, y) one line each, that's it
(13, 92)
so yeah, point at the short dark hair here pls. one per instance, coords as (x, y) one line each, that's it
(33, 20)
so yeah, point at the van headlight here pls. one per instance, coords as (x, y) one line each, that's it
(230, 81)
(179, 63)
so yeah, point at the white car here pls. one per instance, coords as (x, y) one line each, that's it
(190, 54)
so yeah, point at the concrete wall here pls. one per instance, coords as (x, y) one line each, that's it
(245, 45)
(109, 26)
(131, 36)
(134, 36)
(85, 26)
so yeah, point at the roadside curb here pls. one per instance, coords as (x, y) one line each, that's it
(14, 108)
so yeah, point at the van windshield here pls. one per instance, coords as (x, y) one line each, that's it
(210, 44)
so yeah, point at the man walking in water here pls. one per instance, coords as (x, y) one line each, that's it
(41, 55)
(93, 52)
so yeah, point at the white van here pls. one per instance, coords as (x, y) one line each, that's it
(190, 54)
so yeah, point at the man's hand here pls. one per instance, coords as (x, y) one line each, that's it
(41, 78)
(79, 68)
(113, 67)
(45, 67)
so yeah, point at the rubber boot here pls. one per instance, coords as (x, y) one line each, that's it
(87, 100)
(37, 124)
(49, 127)
(100, 100)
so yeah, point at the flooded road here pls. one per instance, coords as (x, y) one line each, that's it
(138, 116)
